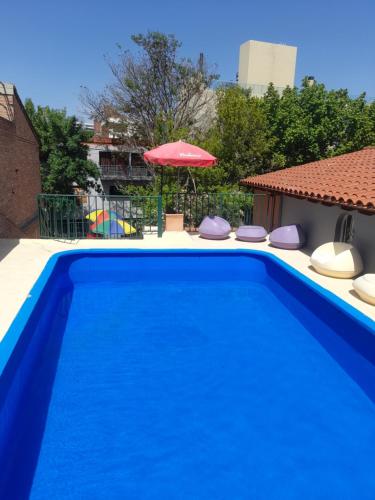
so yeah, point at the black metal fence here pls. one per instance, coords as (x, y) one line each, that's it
(88, 216)
(236, 208)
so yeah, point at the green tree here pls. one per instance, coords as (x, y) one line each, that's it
(63, 153)
(155, 95)
(312, 123)
(371, 112)
(239, 138)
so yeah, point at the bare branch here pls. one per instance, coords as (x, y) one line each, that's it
(154, 93)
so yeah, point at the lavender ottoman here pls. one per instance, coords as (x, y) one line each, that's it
(288, 237)
(251, 233)
(214, 228)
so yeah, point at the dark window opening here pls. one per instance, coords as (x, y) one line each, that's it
(137, 160)
(114, 190)
(113, 159)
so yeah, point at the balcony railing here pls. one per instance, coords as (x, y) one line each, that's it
(121, 172)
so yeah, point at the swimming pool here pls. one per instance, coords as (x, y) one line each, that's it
(185, 374)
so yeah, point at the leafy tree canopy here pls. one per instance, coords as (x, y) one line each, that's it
(240, 134)
(312, 123)
(63, 153)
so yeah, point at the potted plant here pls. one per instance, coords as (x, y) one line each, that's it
(174, 220)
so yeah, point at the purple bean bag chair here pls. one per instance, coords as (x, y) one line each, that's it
(214, 228)
(288, 237)
(251, 233)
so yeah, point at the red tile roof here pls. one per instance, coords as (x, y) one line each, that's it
(347, 180)
(100, 139)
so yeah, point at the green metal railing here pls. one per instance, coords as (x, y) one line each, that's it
(66, 216)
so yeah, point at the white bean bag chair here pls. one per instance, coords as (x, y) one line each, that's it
(339, 260)
(365, 287)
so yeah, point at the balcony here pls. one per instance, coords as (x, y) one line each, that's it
(125, 173)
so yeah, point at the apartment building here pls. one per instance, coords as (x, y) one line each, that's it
(262, 63)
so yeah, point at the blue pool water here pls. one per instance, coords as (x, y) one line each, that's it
(188, 375)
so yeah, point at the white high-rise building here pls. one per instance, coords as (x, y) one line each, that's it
(262, 63)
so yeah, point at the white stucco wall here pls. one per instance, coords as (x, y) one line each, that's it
(319, 223)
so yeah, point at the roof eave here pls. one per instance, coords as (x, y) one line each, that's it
(368, 210)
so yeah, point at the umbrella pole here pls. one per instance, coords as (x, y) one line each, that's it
(161, 180)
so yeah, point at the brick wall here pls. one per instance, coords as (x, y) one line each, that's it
(20, 175)
(6, 106)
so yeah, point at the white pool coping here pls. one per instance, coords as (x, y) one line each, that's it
(23, 260)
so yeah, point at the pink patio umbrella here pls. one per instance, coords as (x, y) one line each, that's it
(179, 154)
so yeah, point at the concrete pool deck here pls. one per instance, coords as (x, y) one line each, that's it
(21, 262)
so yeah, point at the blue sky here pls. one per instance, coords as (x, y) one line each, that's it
(50, 49)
